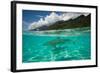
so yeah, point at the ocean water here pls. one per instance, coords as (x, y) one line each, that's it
(61, 45)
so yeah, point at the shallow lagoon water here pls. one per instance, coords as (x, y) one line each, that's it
(62, 45)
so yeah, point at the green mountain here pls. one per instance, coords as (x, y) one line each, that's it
(79, 22)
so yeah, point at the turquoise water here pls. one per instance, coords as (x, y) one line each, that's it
(63, 45)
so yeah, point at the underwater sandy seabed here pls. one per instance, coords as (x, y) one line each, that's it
(64, 45)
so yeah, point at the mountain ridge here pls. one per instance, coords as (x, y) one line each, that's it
(79, 22)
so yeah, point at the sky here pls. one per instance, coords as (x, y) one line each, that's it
(32, 19)
(30, 16)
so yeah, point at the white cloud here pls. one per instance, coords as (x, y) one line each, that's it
(54, 17)
(67, 16)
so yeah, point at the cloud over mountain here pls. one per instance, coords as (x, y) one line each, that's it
(54, 17)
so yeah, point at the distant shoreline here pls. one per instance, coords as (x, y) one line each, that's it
(66, 32)
(79, 22)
